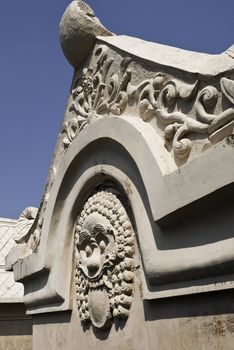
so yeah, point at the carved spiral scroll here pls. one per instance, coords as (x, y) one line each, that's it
(186, 111)
(104, 251)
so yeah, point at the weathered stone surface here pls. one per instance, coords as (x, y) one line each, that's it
(25, 233)
(15, 327)
(10, 291)
(151, 128)
(6, 238)
(104, 256)
(22, 342)
(79, 28)
(164, 324)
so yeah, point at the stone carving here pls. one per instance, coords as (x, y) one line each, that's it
(24, 224)
(95, 96)
(26, 232)
(104, 250)
(159, 97)
(29, 225)
(79, 28)
(180, 124)
(36, 233)
(102, 91)
(154, 96)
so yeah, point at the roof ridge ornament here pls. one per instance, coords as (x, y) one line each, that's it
(78, 30)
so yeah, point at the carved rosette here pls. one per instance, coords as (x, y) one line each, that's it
(104, 251)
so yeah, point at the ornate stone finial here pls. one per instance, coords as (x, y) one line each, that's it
(79, 28)
(24, 224)
(104, 250)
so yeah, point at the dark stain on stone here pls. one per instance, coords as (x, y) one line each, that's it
(127, 187)
(230, 324)
(219, 326)
(230, 140)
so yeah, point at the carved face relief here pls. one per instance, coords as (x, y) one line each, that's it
(104, 249)
(96, 243)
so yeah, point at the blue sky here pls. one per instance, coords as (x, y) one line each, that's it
(35, 77)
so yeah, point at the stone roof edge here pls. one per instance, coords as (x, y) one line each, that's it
(7, 221)
(184, 60)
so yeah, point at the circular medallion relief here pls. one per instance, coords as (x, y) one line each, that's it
(104, 250)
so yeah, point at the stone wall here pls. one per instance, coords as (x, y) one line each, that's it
(202, 322)
(15, 327)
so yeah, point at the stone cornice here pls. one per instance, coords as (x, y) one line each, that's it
(168, 56)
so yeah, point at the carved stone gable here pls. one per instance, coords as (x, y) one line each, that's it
(148, 130)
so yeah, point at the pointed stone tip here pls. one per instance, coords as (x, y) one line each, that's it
(78, 30)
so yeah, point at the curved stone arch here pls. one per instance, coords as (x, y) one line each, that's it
(108, 176)
(153, 194)
(77, 176)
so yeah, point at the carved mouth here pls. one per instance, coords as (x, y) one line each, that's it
(96, 284)
(97, 277)
(92, 275)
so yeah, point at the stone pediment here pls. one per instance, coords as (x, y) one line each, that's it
(149, 128)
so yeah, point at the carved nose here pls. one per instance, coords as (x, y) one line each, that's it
(93, 266)
(93, 263)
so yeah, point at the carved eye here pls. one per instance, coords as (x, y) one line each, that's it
(88, 251)
(102, 246)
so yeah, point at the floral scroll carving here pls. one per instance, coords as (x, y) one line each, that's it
(183, 109)
(180, 124)
(94, 96)
(159, 97)
(104, 251)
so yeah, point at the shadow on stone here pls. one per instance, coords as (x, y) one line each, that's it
(213, 303)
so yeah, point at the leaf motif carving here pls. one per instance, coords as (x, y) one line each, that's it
(227, 87)
(103, 90)
(95, 95)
